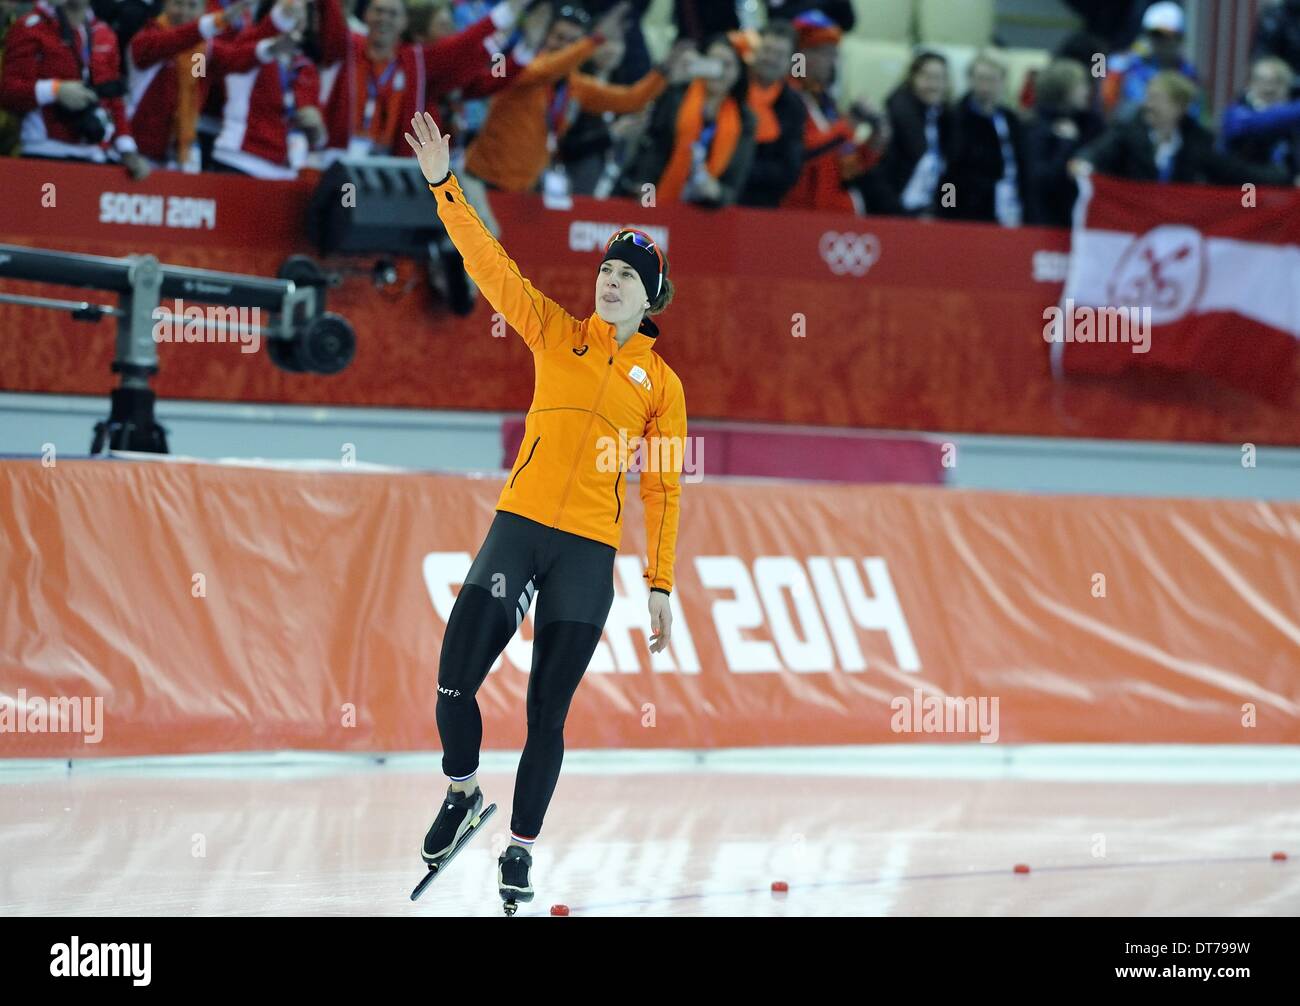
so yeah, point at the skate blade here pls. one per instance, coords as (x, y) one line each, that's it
(511, 900)
(437, 868)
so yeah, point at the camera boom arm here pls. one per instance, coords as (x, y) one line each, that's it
(303, 338)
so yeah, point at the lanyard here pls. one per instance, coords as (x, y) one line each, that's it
(705, 140)
(373, 87)
(1008, 152)
(288, 74)
(1165, 154)
(559, 102)
(932, 130)
(554, 113)
(81, 50)
(85, 51)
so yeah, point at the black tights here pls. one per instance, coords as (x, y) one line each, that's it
(572, 578)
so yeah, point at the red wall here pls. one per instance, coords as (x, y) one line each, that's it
(943, 332)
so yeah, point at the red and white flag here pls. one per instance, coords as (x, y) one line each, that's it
(1200, 280)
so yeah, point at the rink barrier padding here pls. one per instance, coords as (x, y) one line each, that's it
(212, 608)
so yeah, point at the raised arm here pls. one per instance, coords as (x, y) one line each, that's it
(452, 62)
(530, 313)
(486, 83)
(595, 95)
(241, 52)
(152, 45)
(1242, 120)
(550, 67)
(335, 35)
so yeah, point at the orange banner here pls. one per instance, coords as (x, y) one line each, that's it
(173, 607)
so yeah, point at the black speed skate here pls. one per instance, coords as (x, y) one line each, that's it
(458, 820)
(512, 877)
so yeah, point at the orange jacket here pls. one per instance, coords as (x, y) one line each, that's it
(592, 405)
(510, 150)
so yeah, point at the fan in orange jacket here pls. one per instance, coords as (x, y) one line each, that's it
(525, 122)
(600, 386)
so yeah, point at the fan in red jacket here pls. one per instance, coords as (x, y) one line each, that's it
(173, 60)
(836, 147)
(374, 82)
(210, 116)
(58, 62)
(272, 116)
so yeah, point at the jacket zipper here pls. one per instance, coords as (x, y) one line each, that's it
(616, 499)
(525, 464)
(582, 443)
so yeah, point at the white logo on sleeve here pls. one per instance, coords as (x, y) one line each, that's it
(638, 374)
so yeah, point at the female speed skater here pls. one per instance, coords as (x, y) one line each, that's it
(559, 519)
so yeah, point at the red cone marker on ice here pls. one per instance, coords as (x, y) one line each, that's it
(1022, 868)
(559, 909)
(1279, 857)
(780, 886)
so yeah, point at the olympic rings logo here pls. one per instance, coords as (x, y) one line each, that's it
(852, 254)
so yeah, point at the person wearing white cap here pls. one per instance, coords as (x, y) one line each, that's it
(1164, 26)
(1165, 16)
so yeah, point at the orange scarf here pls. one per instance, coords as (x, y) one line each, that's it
(383, 123)
(761, 102)
(690, 124)
(185, 122)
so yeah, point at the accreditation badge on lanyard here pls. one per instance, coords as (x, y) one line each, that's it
(556, 190)
(1006, 192)
(700, 155)
(83, 50)
(297, 140)
(362, 144)
(556, 115)
(288, 74)
(705, 141)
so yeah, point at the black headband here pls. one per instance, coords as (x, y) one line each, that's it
(643, 260)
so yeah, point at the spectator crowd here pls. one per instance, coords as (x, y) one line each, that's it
(564, 97)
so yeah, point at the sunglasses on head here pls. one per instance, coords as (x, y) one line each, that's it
(576, 14)
(642, 240)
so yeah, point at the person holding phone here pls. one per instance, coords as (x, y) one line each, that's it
(779, 118)
(166, 92)
(272, 116)
(700, 142)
